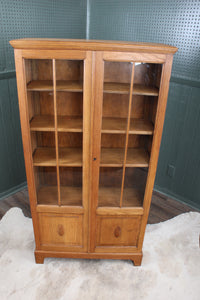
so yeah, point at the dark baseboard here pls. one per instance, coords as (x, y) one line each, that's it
(176, 197)
(13, 190)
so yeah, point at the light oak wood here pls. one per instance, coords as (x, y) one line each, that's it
(67, 157)
(77, 86)
(61, 85)
(109, 196)
(118, 125)
(127, 131)
(114, 157)
(136, 256)
(47, 195)
(91, 132)
(75, 124)
(123, 88)
(42, 123)
(96, 45)
(117, 231)
(61, 230)
(69, 195)
(56, 130)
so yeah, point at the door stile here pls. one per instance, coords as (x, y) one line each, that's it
(127, 132)
(87, 126)
(159, 122)
(97, 99)
(56, 130)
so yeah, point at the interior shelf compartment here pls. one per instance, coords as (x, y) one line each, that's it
(114, 157)
(74, 124)
(109, 197)
(42, 123)
(67, 157)
(64, 123)
(70, 196)
(110, 157)
(77, 86)
(124, 88)
(47, 195)
(61, 85)
(119, 125)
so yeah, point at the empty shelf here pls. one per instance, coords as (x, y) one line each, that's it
(119, 125)
(64, 123)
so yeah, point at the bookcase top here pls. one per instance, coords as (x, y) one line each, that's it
(92, 45)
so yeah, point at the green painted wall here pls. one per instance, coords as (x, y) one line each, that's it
(175, 22)
(18, 19)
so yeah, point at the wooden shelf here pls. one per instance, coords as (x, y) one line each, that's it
(44, 157)
(110, 197)
(70, 196)
(47, 195)
(65, 124)
(119, 125)
(77, 86)
(137, 157)
(42, 123)
(70, 124)
(61, 85)
(110, 157)
(114, 157)
(75, 124)
(124, 88)
(71, 157)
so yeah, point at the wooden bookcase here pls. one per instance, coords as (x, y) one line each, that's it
(92, 114)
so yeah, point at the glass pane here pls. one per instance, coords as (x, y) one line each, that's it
(46, 185)
(117, 77)
(143, 112)
(110, 182)
(69, 96)
(71, 186)
(39, 79)
(145, 97)
(134, 187)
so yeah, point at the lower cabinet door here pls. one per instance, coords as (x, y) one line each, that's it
(61, 232)
(117, 233)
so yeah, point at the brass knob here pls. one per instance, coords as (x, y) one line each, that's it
(117, 231)
(60, 230)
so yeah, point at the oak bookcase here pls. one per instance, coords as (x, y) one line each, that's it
(92, 114)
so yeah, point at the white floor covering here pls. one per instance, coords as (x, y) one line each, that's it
(170, 268)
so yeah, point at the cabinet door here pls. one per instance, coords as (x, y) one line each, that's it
(57, 88)
(125, 105)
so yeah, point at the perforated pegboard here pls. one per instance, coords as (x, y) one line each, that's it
(38, 18)
(175, 22)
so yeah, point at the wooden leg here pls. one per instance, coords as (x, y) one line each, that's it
(39, 259)
(137, 260)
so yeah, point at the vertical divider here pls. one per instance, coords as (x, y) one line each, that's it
(127, 132)
(56, 130)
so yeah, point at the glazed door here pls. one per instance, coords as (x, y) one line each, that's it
(125, 103)
(58, 105)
